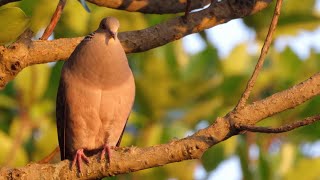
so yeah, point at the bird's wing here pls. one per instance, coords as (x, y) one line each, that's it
(119, 141)
(61, 117)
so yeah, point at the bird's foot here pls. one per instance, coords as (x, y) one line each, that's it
(78, 157)
(106, 149)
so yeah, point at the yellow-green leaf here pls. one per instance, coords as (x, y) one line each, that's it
(32, 82)
(7, 102)
(13, 23)
(46, 139)
(19, 155)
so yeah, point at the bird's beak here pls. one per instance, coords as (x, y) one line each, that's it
(113, 34)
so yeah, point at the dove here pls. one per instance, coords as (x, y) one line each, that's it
(95, 95)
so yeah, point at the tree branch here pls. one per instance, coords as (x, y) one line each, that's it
(262, 57)
(281, 129)
(287, 99)
(54, 20)
(18, 56)
(151, 6)
(132, 159)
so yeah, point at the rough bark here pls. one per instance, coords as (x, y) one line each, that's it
(20, 55)
(151, 6)
(131, 159)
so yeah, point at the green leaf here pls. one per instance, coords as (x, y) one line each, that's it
(20, 156)
(295, 6)
(46, 132)
(181, 170)
(151, 135)
(19, 129)
(74, 20)
(202, 110)
(40, 109)
(32, 82)
(54, 80)
(203, 65)
(213, 157)
(239, 62)
(13, 23)
(305, 169)
(7, 102)
(288, 154)
(291, 25)
(244, 159)
(264, 167)
(39, 11)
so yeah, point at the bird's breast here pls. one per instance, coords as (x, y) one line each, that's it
(100, 64)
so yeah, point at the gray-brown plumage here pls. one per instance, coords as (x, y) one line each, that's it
(95, 95)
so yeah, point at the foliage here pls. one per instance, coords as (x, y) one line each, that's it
(177, 93)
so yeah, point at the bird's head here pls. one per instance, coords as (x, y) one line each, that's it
(110, 25)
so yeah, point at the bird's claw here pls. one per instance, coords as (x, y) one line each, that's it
(78, 157)
(106, 149)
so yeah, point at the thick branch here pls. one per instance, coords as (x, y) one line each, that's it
(151, 6)
(287, 99)
(144, 6)
(133, 159)
(19, 56)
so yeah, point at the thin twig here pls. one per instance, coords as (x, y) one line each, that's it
(49, 157)
(54, 20)
(281, 129)
(262, 57)
(187, 11)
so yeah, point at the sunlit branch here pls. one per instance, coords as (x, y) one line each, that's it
(281, 129)
(54, 20)
(262, 57)
(132, 159)
(133, 41)
(151, 6)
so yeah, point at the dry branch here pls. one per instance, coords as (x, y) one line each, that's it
(262, 57)
(151, 6)
(54, 20)
(133, 158)
(281, 129)
(18, 56)
(125, 160)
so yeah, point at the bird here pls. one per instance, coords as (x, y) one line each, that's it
(95, 96)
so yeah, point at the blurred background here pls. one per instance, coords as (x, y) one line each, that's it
(181, 87)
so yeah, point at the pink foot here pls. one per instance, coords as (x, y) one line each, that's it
(78, 157)
(106, 149)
